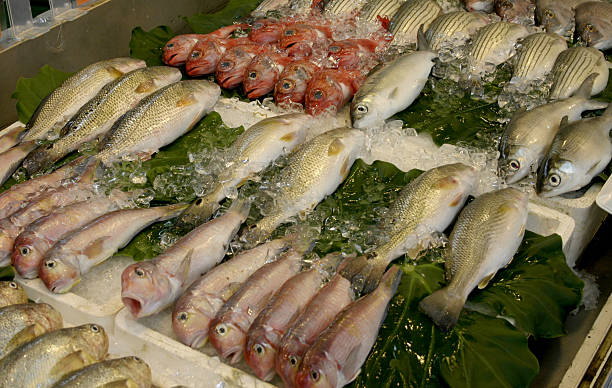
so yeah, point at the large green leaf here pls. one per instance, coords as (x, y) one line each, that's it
(204, 23)
(147, 45)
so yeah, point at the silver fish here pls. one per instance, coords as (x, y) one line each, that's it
(11, 159)
(573, 66)
(529, 134)
(485, 238)
(97, 116)
(454, 29)
(557, 17)
(43, 361)
(269, 5)
(343, 7)
(59, 106)
(11, 293)
(594, 24)
(159, 119)
(380, 8)
(536, 56)
(125, 372)
(493, 45)
(10, 137)
(579, 152)
(411, 16)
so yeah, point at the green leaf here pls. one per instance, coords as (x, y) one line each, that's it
(203, 23)
(148, 45)
(7, 273)
(31, 91)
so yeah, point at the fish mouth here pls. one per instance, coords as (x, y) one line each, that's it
(231, 81)
(133, 304)
(61, 287)
(258, 91)
(233, 354)
(170, 60)
(203, 69)
(199, 341)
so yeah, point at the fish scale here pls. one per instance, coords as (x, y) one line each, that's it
(537, 55)
(340, 7)
(448, 26)
(493, 44)
(411, 15)
(573, 66)
(125, 372)
(383, 8)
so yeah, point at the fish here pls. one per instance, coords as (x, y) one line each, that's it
(313, 171)
(374, 11)
(594, 24)
(11, 293)
(254, 150)
(485, 238)
(269, 5)
(335, 359)
(516, 11)
(299, 39)
(97, 116)
(207, 53)
(536, 56)
(60, 105)
(41, 235)
(331, 89)
(199, 305)
(316, 317)
(342, 7)
(573, 66)
(579, 152)
(292, 83)
(453, 29)
(228, 330)
(177, 49)
(265, 31)
(485, 6)
(43, 361)
(352, 53)
(266, 331)
(63, 265)
(10, 137)
(21, 323)
(11, 159)
(150, 286)
(557, 17)
(126, 372)
(493, 45)
(158, 120)
(392, 87)
(231, 67)
(412, 15)
(425, 207)
(262, 73)
(529, 134)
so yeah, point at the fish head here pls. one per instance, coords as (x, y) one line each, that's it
(60, 274)
(201, 91)
(52, 317)
(260, 76)
(514, 10)
(144, 288)
(292, 85)
(176, 51)
(344, 53)
(318, 371)
(555, 18)
(515, 162)
(323, 94)
(557, 176)
(456, 181)
(137, 367)
(366, 112)
(95, 336)
(294, 33)
(485, 6)
(164, 75)
(266, 31)
(125, 65)
(27, 255)
(228, 338)
(289, 359)
(204, 57)
(260, 355)
(191, 324)
(231, 67)
(41, 158)
(595, 31)
(12, 291)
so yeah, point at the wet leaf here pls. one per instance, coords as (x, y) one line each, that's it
(147, 45)
(203, 23)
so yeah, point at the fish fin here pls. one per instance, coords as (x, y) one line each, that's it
(288, 137)
(443, 308)
(114, 72)
(485, 281)
(586, 88)
(593, 168)
(346, 167)
(230, 290)
(25, 335)
(457, 200)
(89, 173)
(335, 147)
(125, 383)
(393, 93)
(353, 361)
(186, 101)
(96, 247)
(564, 122)
(70, 363)
(185, 265)
(422, 44)
(145, 86)
(391, 279)
(446, 182)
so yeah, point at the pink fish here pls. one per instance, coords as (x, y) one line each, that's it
(301, 40)
(353, 53)
(266, 31)
(331, 89)
(262, 73)
(231, 67)
(292, 83)
(206, 54)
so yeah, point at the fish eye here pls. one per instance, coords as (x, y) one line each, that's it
(25, 251)
(13, 285)
(554, 180)
(549, 13)
(221, 329)
(289, 32)
(50, 264)
(95, 328)
(170, 45)
(259, 349)
(195, 54)
(199, 202)
(514, 165)
(226, 65)
(139, 272)
(315, 375)
(182, 316)
(317, 95)
(257, 26)
(287, 85)
(293, 361)
(253, 75)
(334, 49)
(589, 27)
(361, 109)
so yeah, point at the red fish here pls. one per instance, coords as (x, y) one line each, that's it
(331, 89)
(230, 70)
(263, 72)
(177, 49)
(291, 86)
(266, 31)
(353, 53)
(300, 38)
(206, 54)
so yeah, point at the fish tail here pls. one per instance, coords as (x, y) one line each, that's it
(39, 159)
(303, 239)
(259, 232)
(240, 206)
(422, 44)
(200, 210)
(364, 272)
(391, 279)
(443, 307)
(585, 89)
(173, 211)
(90, 169)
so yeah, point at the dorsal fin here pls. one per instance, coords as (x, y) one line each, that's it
(422, 44)
(586, 88)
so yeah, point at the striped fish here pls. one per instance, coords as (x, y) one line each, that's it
(383, 8)
(411, 15)
(493, 45)
(454, 28)
(536, 56)
(343, 7)
(573, 66)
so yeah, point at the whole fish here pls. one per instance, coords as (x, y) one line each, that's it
(454, 29)
(266, 331)
(318, 315)
(11, 293)
(38, 237)
(150, 286)
(353, 53)
(331, 89)
(158, 120)
(392, 87)
(21, 323)
(536, 56)
(206, 54)
(265, 31)
(485, 6)
(485, 238)
(594, 24)
(292, 83)
(529, 134)
(493, 45)
(262, 73)
(62, 266)
(313, 171)
(336, 357)
(120, 372)
(253, 151)
(10, 137)
(557, 17)
(410, 16)
(177, 49)
(374, 11)
(516, 11)
(573, 66)
(579, 152)
(426, 206)
(11, 159)
(228, 330)
(201, 302)
(97, 116)
(231, 67)
(59, 106)
(43, 361)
